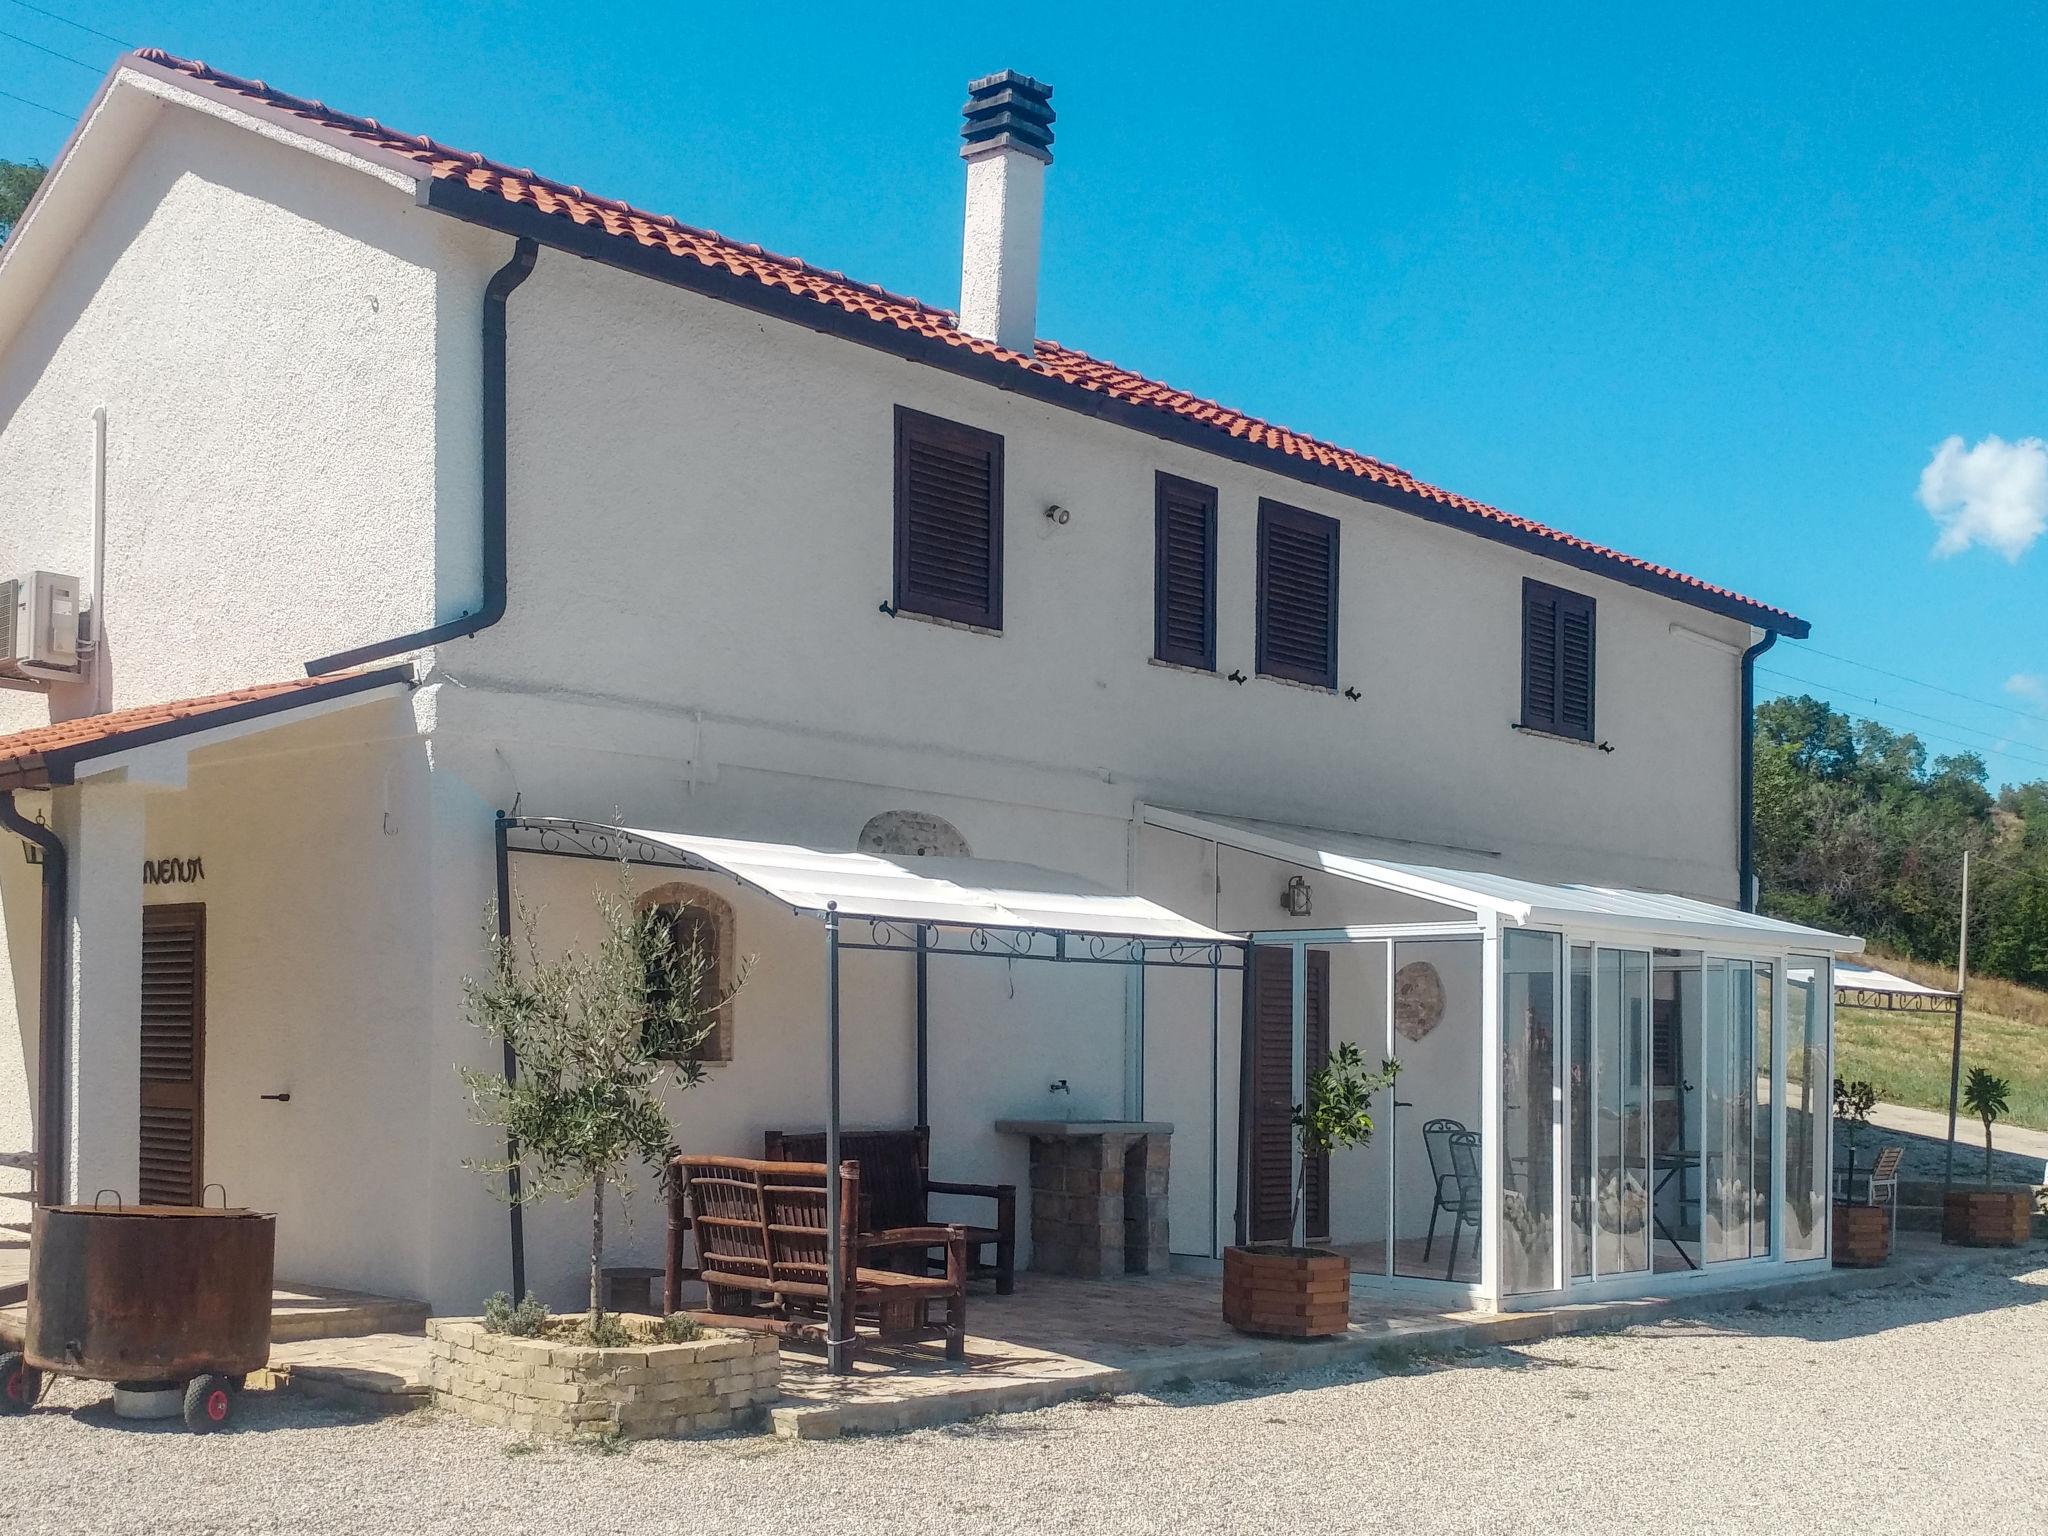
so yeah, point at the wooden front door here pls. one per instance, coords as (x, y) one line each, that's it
(1272, 1069)
(173, 1054)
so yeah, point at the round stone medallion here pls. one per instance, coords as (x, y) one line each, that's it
(1418, 999)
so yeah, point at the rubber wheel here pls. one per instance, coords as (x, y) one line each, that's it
(209, 1404)
(20, 1384)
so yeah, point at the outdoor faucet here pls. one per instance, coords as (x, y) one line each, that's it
(1058, 1087)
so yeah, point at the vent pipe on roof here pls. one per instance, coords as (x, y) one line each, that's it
(1008, 134)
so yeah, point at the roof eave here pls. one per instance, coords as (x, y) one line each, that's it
(490, 210)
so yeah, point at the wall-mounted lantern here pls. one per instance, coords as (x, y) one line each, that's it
(1294, 900)
(29, 850)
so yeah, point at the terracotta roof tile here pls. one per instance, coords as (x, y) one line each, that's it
(29, 759)
(1049, 358)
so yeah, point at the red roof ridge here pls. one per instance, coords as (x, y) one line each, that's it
(1049, 359)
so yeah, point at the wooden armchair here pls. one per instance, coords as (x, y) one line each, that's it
(764, 1261)
(896, 1190)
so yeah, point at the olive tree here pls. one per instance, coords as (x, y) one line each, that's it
(596, 1036)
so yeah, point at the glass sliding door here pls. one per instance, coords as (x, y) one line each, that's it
(1531, 963)
(1579, 1115)
(1621, 1125)
(1809, 994)
(1677, 1114)
(1763, 1187)
(1608, 1208)
(1432, 1133)
(1735, 1180)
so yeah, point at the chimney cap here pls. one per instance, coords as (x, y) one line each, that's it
(1007, 111)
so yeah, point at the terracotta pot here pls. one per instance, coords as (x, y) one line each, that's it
(1292, 1293)
(1987, 1218)
(1863, 1236)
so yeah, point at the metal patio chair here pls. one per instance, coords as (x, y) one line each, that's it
(1436, 1136)
(1878, 1185)
(1470, 1201)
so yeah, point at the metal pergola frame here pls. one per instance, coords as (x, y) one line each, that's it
(561, 837)
(1932, 1000)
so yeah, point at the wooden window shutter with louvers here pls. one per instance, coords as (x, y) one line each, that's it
(1184, 572)
(1558, 642)
(173, 1054)
(949, 520)
(1271, 1150)
(1297, 595)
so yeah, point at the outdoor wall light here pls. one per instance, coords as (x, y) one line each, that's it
(1294, 900)
(1057, 514)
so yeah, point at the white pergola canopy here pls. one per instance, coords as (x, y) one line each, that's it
(968, 893)
(1868, 980)
(1513, 900)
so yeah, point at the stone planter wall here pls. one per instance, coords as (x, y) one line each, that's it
(556, 1390)
(1987, 1218)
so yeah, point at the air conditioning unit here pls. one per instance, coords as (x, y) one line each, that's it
(39, 627)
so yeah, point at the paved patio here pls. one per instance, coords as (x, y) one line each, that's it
(1057, 1340)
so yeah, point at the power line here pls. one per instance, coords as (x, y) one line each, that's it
(1885, 704)
(1917, 682)
(54, 112)
(67, 21)
(2017, 757)
(15, 37)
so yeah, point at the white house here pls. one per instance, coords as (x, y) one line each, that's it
(403, 490)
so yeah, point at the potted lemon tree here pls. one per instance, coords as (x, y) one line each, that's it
(1294, 1292)
(1990, 1217)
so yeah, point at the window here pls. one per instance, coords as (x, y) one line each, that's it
(1297, 595)
(1557, 661)
(949, 520)
(1184, 572)
(696, 917)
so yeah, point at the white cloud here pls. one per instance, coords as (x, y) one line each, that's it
(2031, 686)
(1995, 494)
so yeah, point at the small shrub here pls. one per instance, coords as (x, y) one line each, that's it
(526, 1320)
(680, 1328)
(607, 1332)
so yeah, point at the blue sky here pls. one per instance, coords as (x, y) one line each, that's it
(1713, 289)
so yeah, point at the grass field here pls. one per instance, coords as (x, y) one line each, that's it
(1905, 1056)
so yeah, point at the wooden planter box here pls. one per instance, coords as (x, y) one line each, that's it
(1291, 1293)
(1863, 1236)
(1987, 1218)
(548, 1389)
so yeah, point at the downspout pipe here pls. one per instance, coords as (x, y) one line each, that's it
(50, 1043)
(514, 1202)
(492, 607)
(1747, 896)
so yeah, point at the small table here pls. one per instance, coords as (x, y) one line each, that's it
(1672, 1165)
(1098, 1195)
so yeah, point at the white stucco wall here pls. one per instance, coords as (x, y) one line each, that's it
(673, 459)
(286, 351)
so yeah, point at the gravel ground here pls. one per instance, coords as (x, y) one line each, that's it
(1913, 1408)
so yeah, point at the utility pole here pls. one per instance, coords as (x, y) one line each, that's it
(1955, 1054)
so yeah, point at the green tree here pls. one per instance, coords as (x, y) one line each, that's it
(18, 182)
(1984, 1096)
(597, 1036)
(1337, 1111)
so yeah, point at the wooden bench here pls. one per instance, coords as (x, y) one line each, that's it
(896, 1188)
(763, 1257)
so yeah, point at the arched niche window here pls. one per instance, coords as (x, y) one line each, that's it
(916, 833)
(695, 916)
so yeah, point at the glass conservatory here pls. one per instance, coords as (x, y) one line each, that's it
(1602, 1092)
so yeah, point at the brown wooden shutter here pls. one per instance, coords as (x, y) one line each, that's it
(1316, 1051)
(1184, 572)
(1557, 660)
(949, 520)
(1271, 1178)
(173, 1053)
(1297, 595)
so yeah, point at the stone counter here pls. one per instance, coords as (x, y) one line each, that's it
(1098, 1195)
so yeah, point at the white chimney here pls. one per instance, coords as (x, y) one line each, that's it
(1008, 134)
